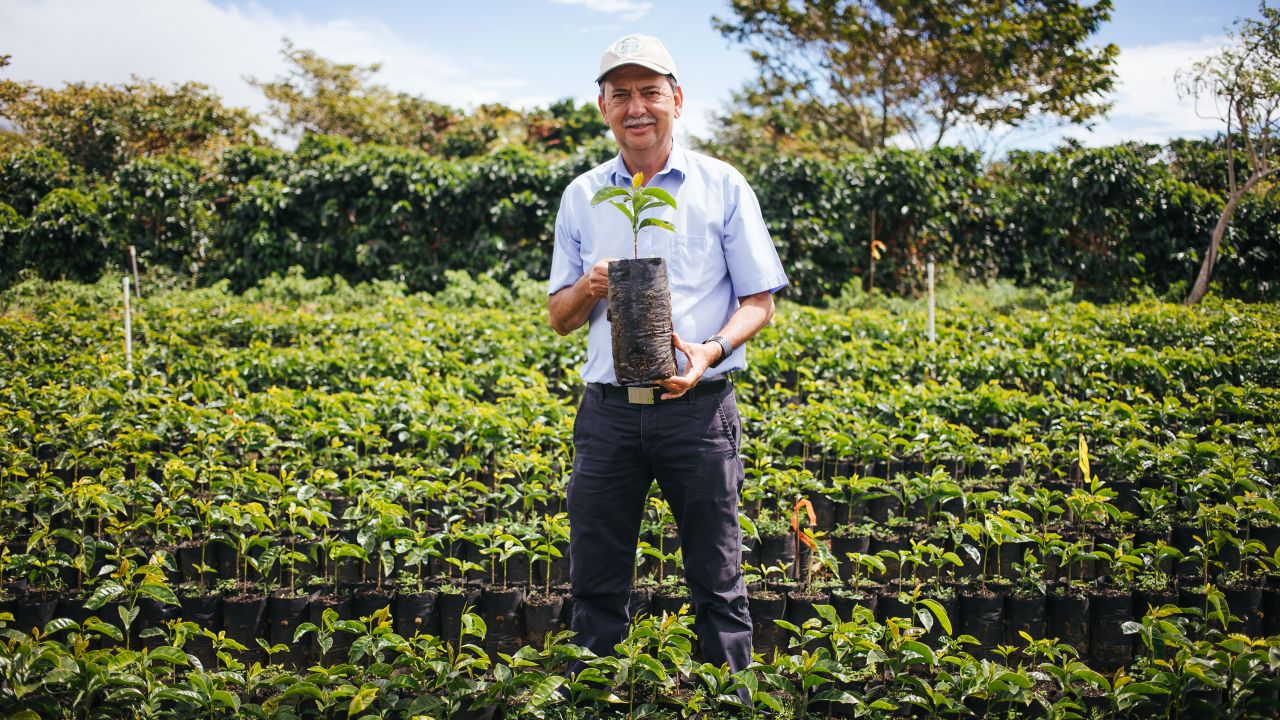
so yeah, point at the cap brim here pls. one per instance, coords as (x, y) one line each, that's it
(642, 63)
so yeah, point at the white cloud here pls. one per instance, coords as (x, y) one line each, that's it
(629, 10)
(1145, 102)
(58, 41)
(1147, 107)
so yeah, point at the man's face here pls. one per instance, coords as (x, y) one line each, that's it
(641, 108)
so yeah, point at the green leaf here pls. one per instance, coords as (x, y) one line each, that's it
(787, 626)
(473, 624)
(58, 624)
(1141, 688)
(828, 613)
(103, 595)
(362, 700)
(225, 698)
(348, 550)
(920, 649)
(1018, 679)
(169, 654)
(544, 690)
(1092, 677)
(655, 222)
(303, 629)
(936, 608)
(659, 194)
(605, 193)
(768, 701)
(625, 210)
(94, 624)
(305, 689)
(159, 592)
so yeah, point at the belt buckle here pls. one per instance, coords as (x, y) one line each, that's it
(640, 395)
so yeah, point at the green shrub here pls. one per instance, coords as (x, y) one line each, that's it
(466, 291)
(28, 175)
(314, 146)
(159, 206)
(11, 226)
(66, 238)
(1111, 222)
(242, 163)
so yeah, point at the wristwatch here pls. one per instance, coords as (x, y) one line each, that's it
(726, 349)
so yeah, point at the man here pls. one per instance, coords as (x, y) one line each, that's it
(684, 431)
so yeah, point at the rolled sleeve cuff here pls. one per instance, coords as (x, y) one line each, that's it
(772, 283)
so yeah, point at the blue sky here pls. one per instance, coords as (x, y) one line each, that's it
(531, 52)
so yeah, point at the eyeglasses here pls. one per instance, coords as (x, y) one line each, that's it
(652, 96)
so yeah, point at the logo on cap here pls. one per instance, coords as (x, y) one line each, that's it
(628, 46)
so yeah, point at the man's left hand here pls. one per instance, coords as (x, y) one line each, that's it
(700, 358)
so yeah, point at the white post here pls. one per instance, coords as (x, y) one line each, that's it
(932, 335)
(133, 261)
(128, 328)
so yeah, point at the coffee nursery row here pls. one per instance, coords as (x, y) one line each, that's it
(315, 500)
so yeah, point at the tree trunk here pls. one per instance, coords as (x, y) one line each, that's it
(1201, 287)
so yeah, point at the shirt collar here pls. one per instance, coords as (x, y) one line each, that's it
(677, 161)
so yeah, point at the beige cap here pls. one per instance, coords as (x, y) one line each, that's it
(643, 50)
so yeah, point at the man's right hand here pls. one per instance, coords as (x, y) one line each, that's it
(598, 280)
(570, 307)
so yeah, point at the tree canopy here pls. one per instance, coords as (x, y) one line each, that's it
(322, 96)
(100, 127)
(869, 69)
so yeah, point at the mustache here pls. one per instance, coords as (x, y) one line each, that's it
(638, 121)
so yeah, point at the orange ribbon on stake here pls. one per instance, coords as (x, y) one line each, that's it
(795, 521)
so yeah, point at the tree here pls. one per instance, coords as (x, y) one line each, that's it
(320, 96)
(330, 98)
(1243, 83)
(564, 126)
(758, 129)
(871, 68)
(100, 127)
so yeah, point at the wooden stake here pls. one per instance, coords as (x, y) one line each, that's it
(133, 260)
(871, 269)
(128, 329)
(933, 337)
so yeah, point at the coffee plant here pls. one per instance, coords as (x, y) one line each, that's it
(317, 499)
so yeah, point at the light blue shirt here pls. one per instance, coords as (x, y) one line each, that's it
(721, 250)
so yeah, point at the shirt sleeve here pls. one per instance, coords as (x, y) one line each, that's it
(753, 262)
(566, 257)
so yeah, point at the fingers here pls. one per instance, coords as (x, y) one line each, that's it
(680, 344)
(673, 388)
(598, 282)
(678, 385)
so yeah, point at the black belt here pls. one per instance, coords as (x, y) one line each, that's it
(650, 394)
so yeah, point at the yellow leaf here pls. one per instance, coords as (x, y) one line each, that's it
(637, 180)
(1084, 458)
(877, 247)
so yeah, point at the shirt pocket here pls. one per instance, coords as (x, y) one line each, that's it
(693, 260)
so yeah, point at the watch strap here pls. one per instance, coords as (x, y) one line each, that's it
(726, 348)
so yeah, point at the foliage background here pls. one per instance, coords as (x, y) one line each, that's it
(1109, 222)
(381, 185)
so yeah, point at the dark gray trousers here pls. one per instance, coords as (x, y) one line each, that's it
(691, 447)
